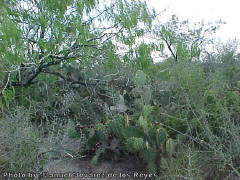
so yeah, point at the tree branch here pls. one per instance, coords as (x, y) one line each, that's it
(170, 49)
(5, 83)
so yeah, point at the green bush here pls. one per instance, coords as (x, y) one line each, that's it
(20, 143)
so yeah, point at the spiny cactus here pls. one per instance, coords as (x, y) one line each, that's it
(139, 133)
(140, 78)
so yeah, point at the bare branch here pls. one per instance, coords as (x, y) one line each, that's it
(170, 49)
(5, 83)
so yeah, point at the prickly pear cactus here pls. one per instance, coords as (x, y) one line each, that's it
(140, 78)
(142, 90)
(170, 147)
(146, 94)
(161, 136)
(143, 124)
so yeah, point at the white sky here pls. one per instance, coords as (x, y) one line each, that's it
(207, 10)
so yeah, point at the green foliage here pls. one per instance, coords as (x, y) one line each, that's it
(161, 71)
(139, 133)
(170, 147)
(135, 144)
(140, 78)
(133, 132)
(181, 44)
(161, 136)
(147, 110)
(8, 97)
(72, 133)
(20, 143)
(85, 61)
(143, 124)
(190, 77)
(144, 59)
(146, 96)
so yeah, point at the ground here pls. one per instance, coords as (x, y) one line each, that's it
(68, 162)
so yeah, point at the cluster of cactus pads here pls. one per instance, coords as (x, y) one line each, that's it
(137, 133)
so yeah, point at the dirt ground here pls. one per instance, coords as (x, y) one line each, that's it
(82, 169)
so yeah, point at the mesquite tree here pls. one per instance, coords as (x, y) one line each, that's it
(37, 35)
